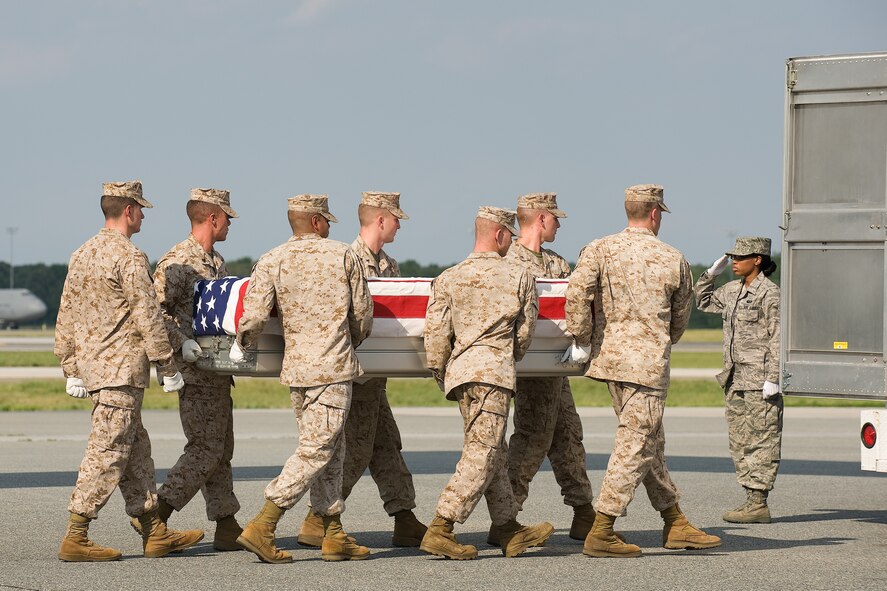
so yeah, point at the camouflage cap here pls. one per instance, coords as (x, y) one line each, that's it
(389, 201)
(131, 189)
(547, 201)
(747, 245)
(311, 204)
(218, 197)
(647, 194)
(503, 217)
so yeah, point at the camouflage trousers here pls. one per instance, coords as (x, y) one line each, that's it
(638, 452)
(546, 423)
(118, 454)
(755, 429)
(373, 441)
(205, 463)
(316, 464)
(482, 469)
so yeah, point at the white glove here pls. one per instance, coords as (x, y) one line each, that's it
(719, 265)
(75, 388)
(236, 354)
(770, 390)
(173, 384)
(576, 354)
(191, 351)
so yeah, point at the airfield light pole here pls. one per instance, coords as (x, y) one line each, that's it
(12, 232)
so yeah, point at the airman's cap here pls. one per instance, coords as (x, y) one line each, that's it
(647, 194)
(389, 201)
(504, 217)
(312, 204)
(747, 245)
(218, 197)
(546, 201)
(131, 189)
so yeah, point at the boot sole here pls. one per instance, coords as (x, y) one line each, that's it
(247, 545)
(342, 557)
(690, 546)
(602, 554)
(227, 546)
(537, 541)
(757, 520)
(436, 552)
(79, 558)
(162, 553)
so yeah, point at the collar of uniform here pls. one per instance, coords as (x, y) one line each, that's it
(211, 256)
(113, 233)
(311, 236)
(634, 230)
(362, 245)
(756, 283)
(484, 255)
(538, 255)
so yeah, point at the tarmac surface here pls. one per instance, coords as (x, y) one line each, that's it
(829, 531)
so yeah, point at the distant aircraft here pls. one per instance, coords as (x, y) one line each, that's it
(19, 305)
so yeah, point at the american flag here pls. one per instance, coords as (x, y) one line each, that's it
(218, 305)
(398, 306)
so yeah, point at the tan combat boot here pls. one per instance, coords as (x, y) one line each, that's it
(311, 531)
(755, 509)
(337, 545)
(164, 511)
(408, 531)
(440, 541)
(583, 519)
(679, 533)
(515, 538)
(158, 540)
(227, 532)
(77, 547)
(258, 535)
(602, 541)
(493, 535)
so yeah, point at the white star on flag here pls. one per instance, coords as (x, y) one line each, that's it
(211, 304)
(209, 285)
(216, 323)
(224, 287)
(203, 322)
(194, 325)
(196, 287)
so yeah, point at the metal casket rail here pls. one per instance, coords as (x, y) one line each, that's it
(379, 357)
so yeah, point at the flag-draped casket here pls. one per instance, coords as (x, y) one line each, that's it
(394, 348)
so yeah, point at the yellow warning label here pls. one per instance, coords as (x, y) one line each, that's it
(840, 345)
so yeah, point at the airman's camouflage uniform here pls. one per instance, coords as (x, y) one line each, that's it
(629, 298)
(326, 310)
(373, 439)
(751, 356)
(480, 319)
(205, 402)
(545, 417)
(109, 330)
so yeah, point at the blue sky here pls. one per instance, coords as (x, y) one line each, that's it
(454, 104)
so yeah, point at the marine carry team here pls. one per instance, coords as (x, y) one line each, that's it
(628, 301)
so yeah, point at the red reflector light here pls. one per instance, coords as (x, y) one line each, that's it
(869, 435)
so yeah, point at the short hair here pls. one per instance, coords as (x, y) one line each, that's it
(300, 221)
(199, 211)
(367, 213)
(639, 210)
(113, 206)
(485, 228)
(527, 215)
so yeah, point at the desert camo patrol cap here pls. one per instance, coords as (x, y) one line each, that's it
(219, 197)
(311, 204)
(131, 189)
(504, 217)
(389, 201)
(647, 194)
(547, 201)
(747, 245)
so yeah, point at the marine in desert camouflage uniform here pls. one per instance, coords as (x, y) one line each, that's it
(371, 434)
(205, 403)
(326, 310)
(109, 330)
(479, 322)
(545, 419)
(753, 404)
(627, 303)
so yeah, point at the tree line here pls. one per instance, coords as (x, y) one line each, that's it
(46, 282)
